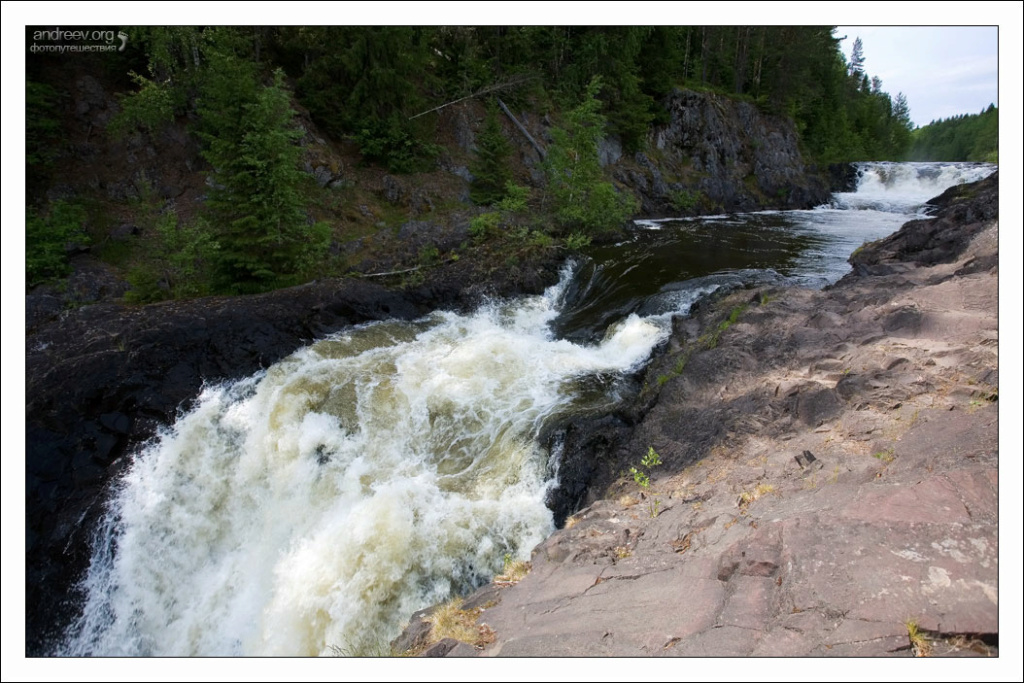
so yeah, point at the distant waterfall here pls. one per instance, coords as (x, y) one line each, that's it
(901, 187)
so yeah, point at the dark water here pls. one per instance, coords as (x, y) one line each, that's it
(665, 265)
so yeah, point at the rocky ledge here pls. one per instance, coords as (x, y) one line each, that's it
(829, 477)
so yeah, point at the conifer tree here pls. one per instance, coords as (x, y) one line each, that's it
(857, 58)
(254, 203)
(491, 170)
(583, 199)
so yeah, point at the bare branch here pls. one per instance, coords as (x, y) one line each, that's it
(522, 129)
(497, 87)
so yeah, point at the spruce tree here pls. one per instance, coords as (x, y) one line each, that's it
(583, 199)
(254, 203)
(491, 170)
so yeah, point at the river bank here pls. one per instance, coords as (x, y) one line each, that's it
(828, 477)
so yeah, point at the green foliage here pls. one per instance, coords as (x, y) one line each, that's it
(582, 198)
(148, 108)
(176, 56)
(643, 479)
(515, 197)
(630, 110)
(189, 251)
(480, 227)
(652, 459)
(886, 456)
(254, 204)
(366, 82)
(969, 137)
(541, 240)
(429, 255)
(734, 315)
(513, 571)
(391, 143)
(42, 125)
(47, 238)
(577, 241)
(145, 286)
(491, 171)
(686, 200)
(180, 257)
(709, 340)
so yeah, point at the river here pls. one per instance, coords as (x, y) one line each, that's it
(311, 508)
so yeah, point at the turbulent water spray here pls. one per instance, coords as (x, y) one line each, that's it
(313, 507)
(902, 187)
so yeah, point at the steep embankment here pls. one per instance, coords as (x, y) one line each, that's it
(830, 473)
(719, 154)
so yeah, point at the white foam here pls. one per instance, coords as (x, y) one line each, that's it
(903, 187)
(317, 505)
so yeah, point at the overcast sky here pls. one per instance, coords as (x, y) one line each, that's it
(943, 70)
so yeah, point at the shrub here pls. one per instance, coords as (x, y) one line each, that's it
(47, 239)
(685, 200)
(515, 197)
(149, 108)
(643, 479)
(390, 142)
(541, 240)
(483, 225)
(577, 241)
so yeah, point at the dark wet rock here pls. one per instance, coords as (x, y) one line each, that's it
(393, 190)
(965, 211)
(729, 155)
(609, 150)
(92, 104)
(464, 135)
(125, 231)
(585, 447)
(323, 176)
(842, 177)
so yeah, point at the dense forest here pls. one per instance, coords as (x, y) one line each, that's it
(378, 88)
(371, 82)
(968, 137)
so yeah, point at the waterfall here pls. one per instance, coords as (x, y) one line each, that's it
(313, 507)
(904, 187)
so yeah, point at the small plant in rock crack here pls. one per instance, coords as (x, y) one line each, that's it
(919, 642)
(643, 479)
(514, 571)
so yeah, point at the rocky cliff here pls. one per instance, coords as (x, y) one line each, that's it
(720, 155)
